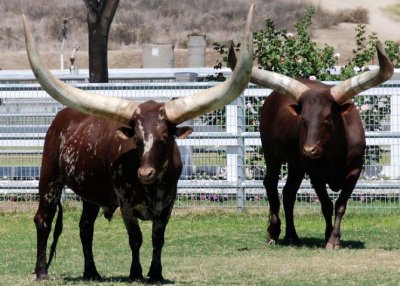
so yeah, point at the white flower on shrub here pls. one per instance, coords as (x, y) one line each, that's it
(250, 106)
(365, 107)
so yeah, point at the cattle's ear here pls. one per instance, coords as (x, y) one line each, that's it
(183, 132)
(346, 107)
(125, 133)
(294, 109)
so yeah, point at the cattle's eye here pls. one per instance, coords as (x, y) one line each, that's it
(139, 143)
(304, 123)
(164, 137)
(328, 120)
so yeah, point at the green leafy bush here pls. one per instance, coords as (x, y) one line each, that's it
(296, 55)
(292, 55)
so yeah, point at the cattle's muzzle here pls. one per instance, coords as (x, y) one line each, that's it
(311, 151)
(147, 175)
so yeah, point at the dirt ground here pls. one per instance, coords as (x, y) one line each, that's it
(127, 58)
(341, 37)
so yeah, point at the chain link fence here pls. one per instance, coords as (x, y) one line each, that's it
(223, 160)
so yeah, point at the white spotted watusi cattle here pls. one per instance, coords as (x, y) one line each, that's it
(118, 153)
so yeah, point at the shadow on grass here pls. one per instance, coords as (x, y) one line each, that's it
(118, 279)
(312, 242)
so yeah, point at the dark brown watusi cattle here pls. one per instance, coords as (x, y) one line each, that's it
(115, 152)
(315, 136)
(318, 131)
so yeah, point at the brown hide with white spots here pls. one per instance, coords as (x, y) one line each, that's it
(90, 152)
(134, 163)
(109, 165)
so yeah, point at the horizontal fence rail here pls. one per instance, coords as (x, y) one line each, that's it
(223, 161)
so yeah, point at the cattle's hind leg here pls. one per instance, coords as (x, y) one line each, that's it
(333, 241)
(49, 197)
(271, 185)
(86, 229)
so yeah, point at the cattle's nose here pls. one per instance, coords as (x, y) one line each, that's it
(147, 175)
(310, 150)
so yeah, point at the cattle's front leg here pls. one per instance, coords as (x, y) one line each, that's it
(50, 192)
(326, 202)
(43, 219)
(289, 198)
(86, 228)
(271, 185)
(158, 232)
(135, 242)
(340, 208)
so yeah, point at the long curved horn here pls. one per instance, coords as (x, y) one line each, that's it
(345, 90)
(278, 82)
(105, 107)
(189, 107)
(275, 81)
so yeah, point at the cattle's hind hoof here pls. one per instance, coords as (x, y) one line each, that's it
(271, 241)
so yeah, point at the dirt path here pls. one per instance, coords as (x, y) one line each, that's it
(342, 36)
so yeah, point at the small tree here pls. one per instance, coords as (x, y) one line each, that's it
(100, 14)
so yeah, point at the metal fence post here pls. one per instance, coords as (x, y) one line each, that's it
(393, 170)
(235, 117)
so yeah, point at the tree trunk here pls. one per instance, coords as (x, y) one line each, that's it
(100, 14)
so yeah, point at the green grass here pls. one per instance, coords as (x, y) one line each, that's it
(16, 159)
(214, 247)
(20, 160)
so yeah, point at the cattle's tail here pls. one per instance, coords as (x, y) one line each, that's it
(57, 232)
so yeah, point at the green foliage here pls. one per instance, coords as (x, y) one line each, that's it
(363, 54)
(393, 52)
(294, 56)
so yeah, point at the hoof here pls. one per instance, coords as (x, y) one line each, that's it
(271, 241)
(292, 241)
(42, 277)
(136, 278)
(92, 276)
(331, 246)
(155, 280)
(155, 274)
